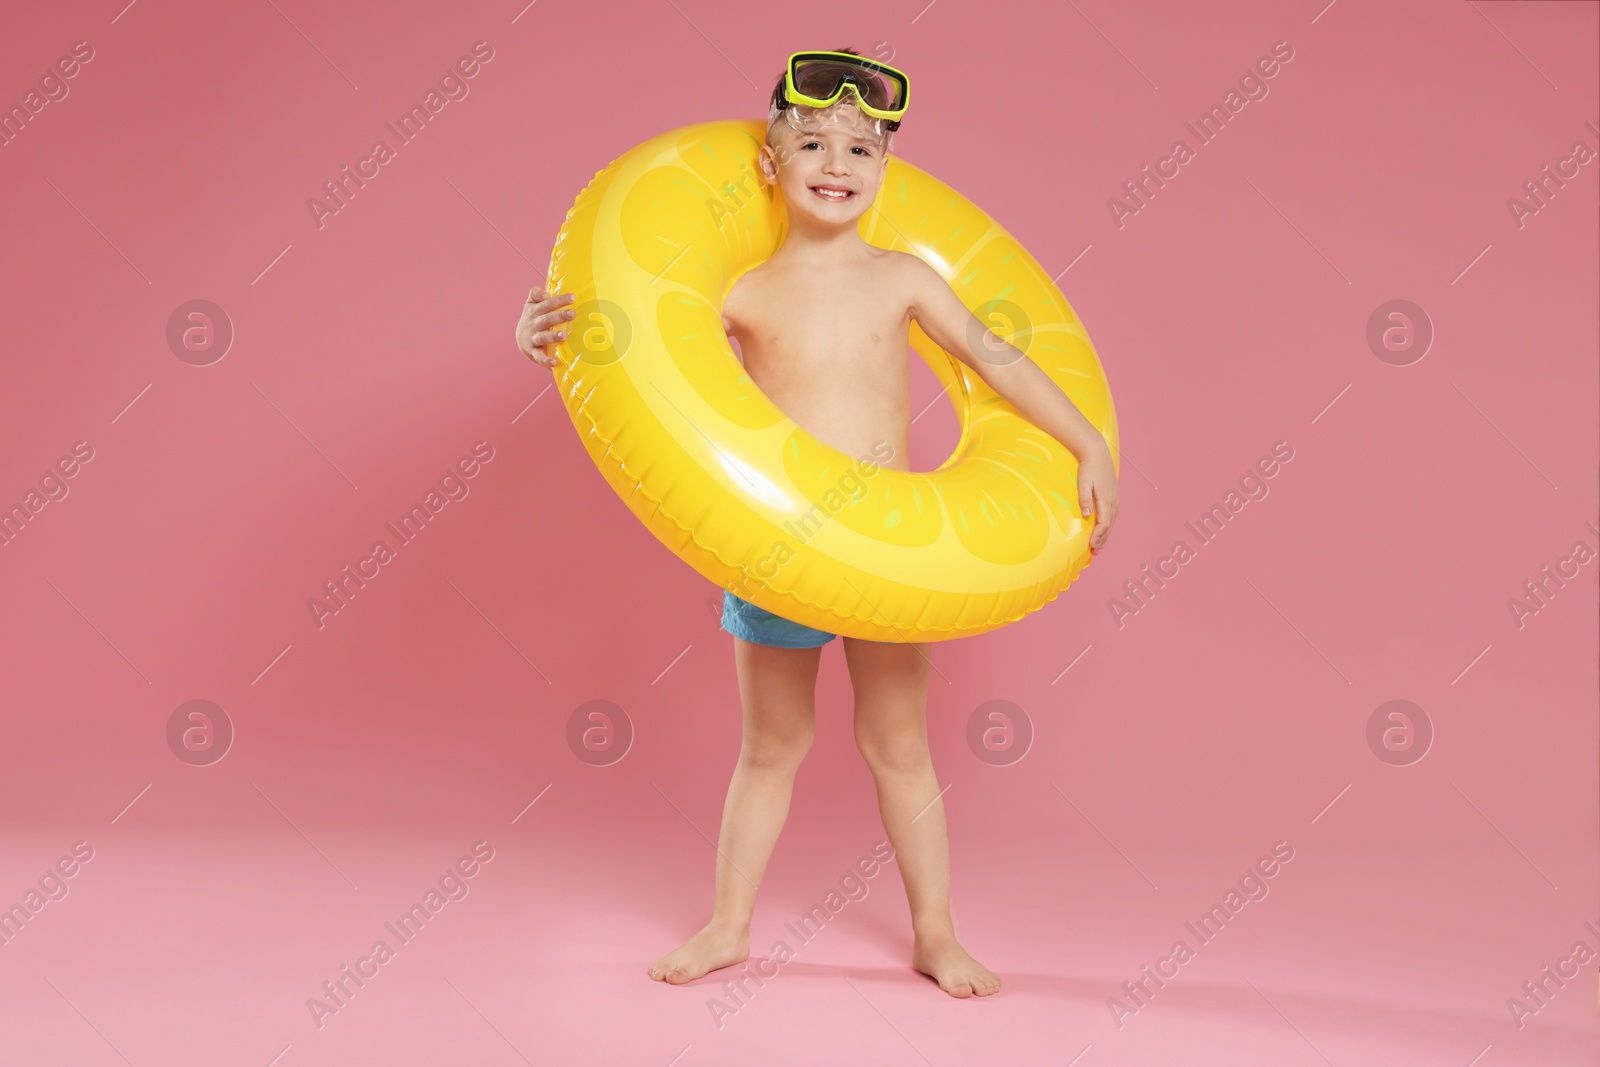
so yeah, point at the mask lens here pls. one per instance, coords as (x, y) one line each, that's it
(821, 78)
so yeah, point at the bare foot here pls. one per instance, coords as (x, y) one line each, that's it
(947, 963)
(714, 946)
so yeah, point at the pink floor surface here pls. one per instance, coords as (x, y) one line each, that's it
(1433, 539)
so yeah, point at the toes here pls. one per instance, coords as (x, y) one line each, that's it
(663, 972)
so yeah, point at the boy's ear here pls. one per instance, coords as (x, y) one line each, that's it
(767, 163)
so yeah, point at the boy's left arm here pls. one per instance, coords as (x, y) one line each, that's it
(1010, 373)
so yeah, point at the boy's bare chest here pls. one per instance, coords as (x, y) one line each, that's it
(833, 358)
(851, 321)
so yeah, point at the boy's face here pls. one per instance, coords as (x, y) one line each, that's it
(827, 163)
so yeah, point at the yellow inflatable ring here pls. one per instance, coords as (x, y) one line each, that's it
(735, 487)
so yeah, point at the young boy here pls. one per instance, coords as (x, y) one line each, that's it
(823, 329)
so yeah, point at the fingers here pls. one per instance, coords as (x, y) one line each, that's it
(1105, 518)
(1097, 538)
(542, 310)
(550, 318)
(546, 340)
(1086, 506)
(539, 344)
(542, 346)
(541, 302)
(535, 336)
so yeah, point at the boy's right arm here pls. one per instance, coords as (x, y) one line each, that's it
(535, 336)
(543, 311)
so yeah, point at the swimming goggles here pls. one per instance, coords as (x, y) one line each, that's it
(821, 72)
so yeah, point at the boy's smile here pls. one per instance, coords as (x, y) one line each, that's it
(833, 192)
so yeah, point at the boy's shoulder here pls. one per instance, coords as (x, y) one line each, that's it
(906, 272)
(908, 265)
(893, 259)
(913, 276)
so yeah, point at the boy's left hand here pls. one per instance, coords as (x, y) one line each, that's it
(1097, 492)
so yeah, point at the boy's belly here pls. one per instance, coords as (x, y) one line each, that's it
(852, 412)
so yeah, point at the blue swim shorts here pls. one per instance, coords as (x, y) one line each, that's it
(743, 619)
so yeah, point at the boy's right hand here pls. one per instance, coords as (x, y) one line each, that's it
(535, 335)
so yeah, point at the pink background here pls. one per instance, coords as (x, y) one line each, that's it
(1231, 713)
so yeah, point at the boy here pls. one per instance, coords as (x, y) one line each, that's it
(823, 330)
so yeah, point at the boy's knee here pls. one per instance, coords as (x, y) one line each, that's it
(906, 751)
(775, 751)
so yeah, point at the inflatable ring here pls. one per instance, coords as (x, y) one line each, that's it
(735, 487)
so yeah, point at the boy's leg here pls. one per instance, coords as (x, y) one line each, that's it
(777, 687)
(891, 694)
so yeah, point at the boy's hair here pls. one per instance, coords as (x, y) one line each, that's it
(822, 78)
